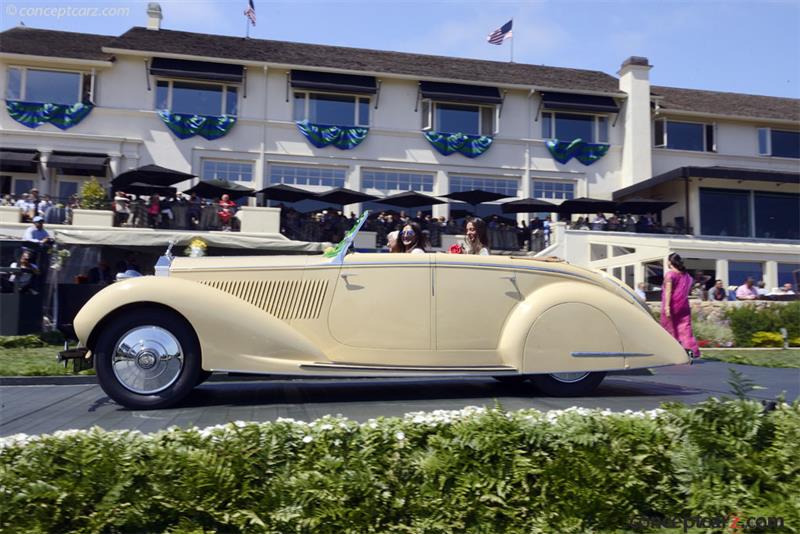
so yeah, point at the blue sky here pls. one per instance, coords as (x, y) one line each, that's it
(740, 46)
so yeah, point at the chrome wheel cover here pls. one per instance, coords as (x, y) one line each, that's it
(147, 359)
(570, 378)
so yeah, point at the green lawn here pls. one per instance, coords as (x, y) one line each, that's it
(39, 361)
(761, 358)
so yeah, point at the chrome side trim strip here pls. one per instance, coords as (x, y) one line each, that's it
(610, 354)
(407, 368)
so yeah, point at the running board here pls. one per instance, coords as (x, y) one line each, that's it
(489, 369)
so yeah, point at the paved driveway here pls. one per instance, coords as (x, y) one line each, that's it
(37, 409)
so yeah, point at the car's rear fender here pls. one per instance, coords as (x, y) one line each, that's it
(580, 326)
(233, 334)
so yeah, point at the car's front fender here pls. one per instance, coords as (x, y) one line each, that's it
(233, 334)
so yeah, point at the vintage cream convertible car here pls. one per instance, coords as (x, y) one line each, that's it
(152, 339)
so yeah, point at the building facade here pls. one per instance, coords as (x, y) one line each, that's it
(261, 112)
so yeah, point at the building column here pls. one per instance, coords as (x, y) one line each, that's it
(47, 185)
(352, 180)
(770, 274)
(441, 186)
(114, 161)
(722, 271)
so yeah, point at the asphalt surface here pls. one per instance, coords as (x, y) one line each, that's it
(42, 408)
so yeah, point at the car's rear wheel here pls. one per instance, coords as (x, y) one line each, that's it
(148, 359)
(568, 384)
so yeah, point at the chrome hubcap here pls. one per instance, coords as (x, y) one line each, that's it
(569, 378)
(147, 359)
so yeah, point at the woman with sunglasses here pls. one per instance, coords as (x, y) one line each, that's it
(412, 239)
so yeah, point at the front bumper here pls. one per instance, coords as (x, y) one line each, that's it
(81, 357)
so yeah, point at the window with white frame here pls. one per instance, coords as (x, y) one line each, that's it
(778, 143)
(451, 118)
(311, 176)
(49, 86)
(197, 98)
(396, 181)
(503, 186)
(231, 171)
(331, 109)
(553, 190)
(571, 126)
(677, 135)
(67, 188)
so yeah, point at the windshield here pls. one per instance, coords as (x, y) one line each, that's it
(342, 246)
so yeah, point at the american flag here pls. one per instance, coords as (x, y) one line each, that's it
(250, 12)
(500, 34)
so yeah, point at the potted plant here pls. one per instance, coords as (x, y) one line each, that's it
(93, 209)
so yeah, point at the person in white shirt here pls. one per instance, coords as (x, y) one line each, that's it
(477, 237)
(640, 290)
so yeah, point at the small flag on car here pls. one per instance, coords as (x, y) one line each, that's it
(500, 34)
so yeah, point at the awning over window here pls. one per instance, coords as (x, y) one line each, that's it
(328, 81)
(721, 173)
(17, 160)
(78, 164)
(456, 92)
(574, 102)
(196, 70)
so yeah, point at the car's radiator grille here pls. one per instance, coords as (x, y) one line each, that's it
(285, 299)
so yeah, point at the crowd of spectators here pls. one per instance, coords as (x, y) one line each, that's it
(331, 224)
(643, 224)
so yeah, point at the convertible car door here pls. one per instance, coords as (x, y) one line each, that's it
(473, 298)
(383, 301)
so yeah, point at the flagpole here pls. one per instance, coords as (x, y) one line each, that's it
(512, 40)
(247, 27)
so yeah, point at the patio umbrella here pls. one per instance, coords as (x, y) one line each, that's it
(217, 188)
(475, 196)
(587, 205)
(138, 188)
(640, 206)
(460, 213)
(528, 205)
(151, 175)
(285, 193)
(410, 199)
(343, 196)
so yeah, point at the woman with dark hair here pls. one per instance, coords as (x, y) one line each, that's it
(676, 314)
(477, 237)
(412, 239)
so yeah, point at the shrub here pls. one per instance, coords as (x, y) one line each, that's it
(93, 196)
(711, 334)
(794, 342)
(767, 339)
(789, 318)
(21, 342)
(748, 319)
(477, 470)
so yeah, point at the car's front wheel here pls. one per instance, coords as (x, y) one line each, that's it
(148, 359)
(568, 384)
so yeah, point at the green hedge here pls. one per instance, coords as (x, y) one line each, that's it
(747, 319)
(475, 471)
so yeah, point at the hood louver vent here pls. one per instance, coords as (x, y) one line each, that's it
(285, 299)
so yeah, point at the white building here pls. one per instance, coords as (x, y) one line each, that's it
(728, 161)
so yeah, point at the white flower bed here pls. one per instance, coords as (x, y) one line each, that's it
(308, 431)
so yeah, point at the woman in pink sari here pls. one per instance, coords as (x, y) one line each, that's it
(676, 314)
